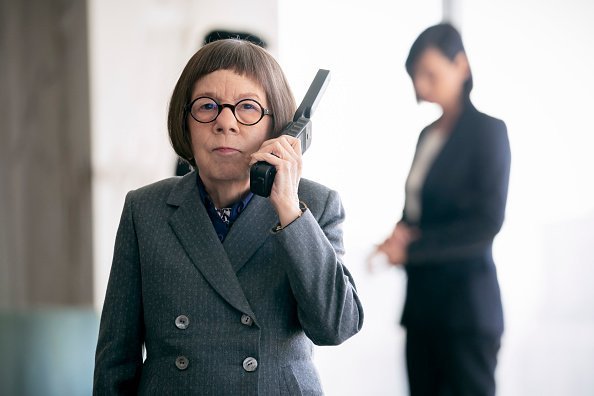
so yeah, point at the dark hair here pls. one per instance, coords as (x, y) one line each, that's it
(216, 35)
(443, 37)
(242, 57)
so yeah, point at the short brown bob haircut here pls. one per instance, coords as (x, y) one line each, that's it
(242, 57)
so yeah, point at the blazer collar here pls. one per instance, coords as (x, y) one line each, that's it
(456, 139)
(193, 228)
(465, 115)
(250, 231)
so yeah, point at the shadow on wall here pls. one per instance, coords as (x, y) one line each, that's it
(47, 352)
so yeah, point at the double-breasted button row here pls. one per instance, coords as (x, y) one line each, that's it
(182, 322)
(247, 320)
(182, 362)
(250, 364)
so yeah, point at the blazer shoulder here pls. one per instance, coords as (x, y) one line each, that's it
(311, 189)
(157, 188)
(488, 124)
(316, 196)
(490, 137)
(157, 192)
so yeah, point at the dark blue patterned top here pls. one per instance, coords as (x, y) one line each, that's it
(222, 218)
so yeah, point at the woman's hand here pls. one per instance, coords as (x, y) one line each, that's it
(284, 153)
(395, 246)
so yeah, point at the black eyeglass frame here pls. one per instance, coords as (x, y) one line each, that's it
(221, 106)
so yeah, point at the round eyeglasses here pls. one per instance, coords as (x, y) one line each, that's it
(247, 111)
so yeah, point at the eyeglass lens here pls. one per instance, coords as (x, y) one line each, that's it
(246, 111)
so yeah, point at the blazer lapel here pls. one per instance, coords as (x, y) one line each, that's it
(250, 231)
(193, 228)
(454, 141)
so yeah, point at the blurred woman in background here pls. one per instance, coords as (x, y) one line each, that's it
(456, 194)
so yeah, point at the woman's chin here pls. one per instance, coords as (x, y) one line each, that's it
(229, 175)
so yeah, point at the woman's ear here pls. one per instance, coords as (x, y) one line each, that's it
(461, 62)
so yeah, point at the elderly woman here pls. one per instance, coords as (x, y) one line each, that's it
(226, 291)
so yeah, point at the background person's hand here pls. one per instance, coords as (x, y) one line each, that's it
(404, 234)
(284, 153)
(396, 245)
(394, 251)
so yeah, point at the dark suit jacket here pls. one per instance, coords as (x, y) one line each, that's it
(452, 282)
(260, 295)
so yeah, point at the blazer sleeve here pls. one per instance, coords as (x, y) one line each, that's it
(471, 233)
(329, 309)
(118, 358)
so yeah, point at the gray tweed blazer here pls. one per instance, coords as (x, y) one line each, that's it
(232, 318)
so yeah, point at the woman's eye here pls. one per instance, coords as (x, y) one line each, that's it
(208, 107)
(247, 106)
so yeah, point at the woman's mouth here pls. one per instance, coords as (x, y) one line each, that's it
(226, 150)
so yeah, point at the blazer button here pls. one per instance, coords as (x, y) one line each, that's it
(182, 362)
(250, 364)
(246, 320)
(182, 322)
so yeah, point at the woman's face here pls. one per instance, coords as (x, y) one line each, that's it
(222, 148)
(439, 80)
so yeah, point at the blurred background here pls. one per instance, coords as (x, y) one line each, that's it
(83, 101)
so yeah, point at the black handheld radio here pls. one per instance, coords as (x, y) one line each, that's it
(262, 173)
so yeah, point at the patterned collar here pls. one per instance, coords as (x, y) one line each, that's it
(222, 218)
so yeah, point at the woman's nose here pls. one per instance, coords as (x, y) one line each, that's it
(226, 122)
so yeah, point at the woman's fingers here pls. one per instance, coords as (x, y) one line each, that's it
(284, 153)
(394, 251)
(405, 234)
(284, 148)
